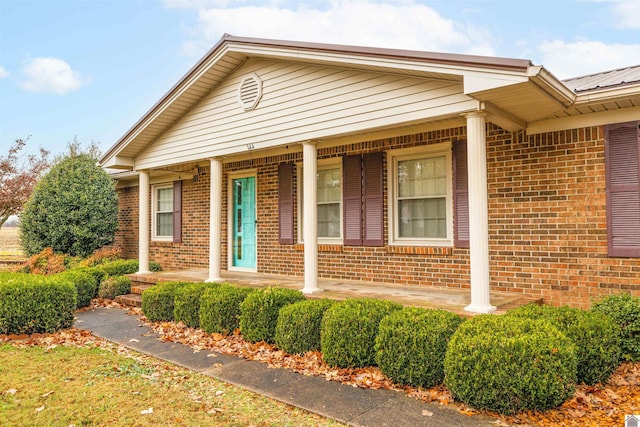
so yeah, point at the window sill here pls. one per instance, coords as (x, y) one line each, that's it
(321, 247)
(420, 250)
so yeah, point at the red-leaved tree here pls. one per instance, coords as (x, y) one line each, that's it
(18, 177)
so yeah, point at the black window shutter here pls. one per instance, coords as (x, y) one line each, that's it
(352, 200)
(461, 194)
(177, 212)
(622, 163)
(373, 191)
(285, 203)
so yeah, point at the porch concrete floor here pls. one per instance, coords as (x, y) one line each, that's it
(421, 296)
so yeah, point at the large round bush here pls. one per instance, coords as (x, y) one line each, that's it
(259, 312)
(298, 327)
(220, 308)
(73, 209)
(158, 300)
(508, 364)
(187, 303)
(411, 345)
(349, 329)
(624, 310)
(597, 338)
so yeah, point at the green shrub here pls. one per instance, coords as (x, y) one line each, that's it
(508, 364)
(298, 326)
(84, 282)
(126, 266)
(158, 301)
(220, 308)
(349, 329)
(97, 273)
(35, 304)
(624, 310)
(114, 286)
(187, 303)
(411, 345)
(73, 208)
(259, 312)
(596, 337)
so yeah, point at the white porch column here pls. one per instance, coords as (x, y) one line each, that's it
(479, 213)
(310, 214)
(215, 221)
(143, 222)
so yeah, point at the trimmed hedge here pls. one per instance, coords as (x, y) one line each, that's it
(349, 329)
(411, 345)
(624, 310)
(84, 282)
(126, 266)
(298, 326)
(158, 300)
(508, 364)
(187, 303)
(114, 286)
(597, 338)
(220, 308)
(35, 304)
(259, 312)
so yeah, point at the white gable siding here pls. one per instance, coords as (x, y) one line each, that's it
(300, 102)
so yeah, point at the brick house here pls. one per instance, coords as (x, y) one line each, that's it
(405, 167)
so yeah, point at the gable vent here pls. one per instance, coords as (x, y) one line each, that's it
(250, 92)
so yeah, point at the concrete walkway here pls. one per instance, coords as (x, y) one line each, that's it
(347, 404)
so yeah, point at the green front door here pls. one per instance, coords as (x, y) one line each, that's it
(244, 222)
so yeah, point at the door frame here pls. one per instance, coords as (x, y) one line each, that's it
(247, 173)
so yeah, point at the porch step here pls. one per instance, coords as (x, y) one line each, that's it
(138, 285)
(130, 300)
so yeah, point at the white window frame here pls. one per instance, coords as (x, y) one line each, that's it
(155, 212)
(413, 153)
(324, 164)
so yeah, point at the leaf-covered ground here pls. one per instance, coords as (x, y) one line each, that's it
(601, 405)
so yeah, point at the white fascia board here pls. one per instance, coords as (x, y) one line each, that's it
(369, 61)
(607, 95)
(118, 162)
(584, 120)
(551, 85)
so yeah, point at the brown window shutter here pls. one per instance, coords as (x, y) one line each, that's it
(622, 162)
(352, 200)
(177, 212)
(373, 191)
(461, 195)
(285, 203)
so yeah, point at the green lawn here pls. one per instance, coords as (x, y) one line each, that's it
(65, 386)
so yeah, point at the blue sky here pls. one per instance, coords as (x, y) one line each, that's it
(91, 69)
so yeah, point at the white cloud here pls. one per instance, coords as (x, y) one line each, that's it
(3, 73)
(626, 13)
(51, 75)
(403, 24)
(574, 59)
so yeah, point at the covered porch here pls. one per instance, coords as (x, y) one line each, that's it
(454, 300)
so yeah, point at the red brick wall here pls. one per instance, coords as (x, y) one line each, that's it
(547, 222)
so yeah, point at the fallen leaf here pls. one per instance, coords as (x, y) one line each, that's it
(11, 391)
(427, 413)
(214, 411)
(40, 409)
(146, 411)
(46, 394)
(133, 340)
(219, 392)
